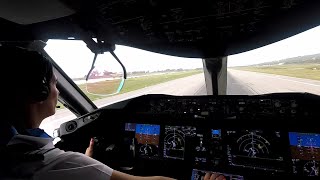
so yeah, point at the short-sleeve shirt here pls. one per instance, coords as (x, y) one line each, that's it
(57, 164)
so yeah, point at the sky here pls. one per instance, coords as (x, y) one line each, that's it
(305, 43)
(75, 58)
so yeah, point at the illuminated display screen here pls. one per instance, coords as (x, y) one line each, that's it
(304, 139)
(130, 127)
(175, 140)
(255, 149)
(215, 133)
(199, 175)
(305, 153)
(147, 136)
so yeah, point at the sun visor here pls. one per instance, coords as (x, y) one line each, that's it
(33, 11)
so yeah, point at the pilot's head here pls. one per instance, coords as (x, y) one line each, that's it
(28, 87)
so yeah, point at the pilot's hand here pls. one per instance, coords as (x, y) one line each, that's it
(89, 150)
(214, 176)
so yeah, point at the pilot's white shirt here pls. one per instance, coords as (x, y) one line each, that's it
(61, 165)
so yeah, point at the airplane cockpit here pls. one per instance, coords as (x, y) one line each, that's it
(244, 137)
(241, 136)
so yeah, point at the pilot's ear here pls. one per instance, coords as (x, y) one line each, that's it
(32, 101)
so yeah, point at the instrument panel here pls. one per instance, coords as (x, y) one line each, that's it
(242, 137)
(250, 149)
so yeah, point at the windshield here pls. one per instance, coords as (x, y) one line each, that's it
(290, 65)
(147, 72)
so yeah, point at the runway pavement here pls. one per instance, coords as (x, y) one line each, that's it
(252, 83)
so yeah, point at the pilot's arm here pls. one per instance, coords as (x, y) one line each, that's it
(116, 175)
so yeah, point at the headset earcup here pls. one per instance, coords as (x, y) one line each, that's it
(43, 93)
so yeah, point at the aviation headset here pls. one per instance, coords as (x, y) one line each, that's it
(41, 92)
(39, 88)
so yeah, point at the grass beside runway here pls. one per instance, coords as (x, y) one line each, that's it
(306, 71)
(133, 84)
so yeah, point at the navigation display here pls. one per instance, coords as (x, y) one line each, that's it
(305, 153)
(175, 140)
(255, 149)
(147, 136)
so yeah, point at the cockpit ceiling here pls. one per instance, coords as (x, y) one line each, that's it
(199, 29)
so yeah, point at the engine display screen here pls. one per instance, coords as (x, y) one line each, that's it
(199, 175)
(305, 153)
(255, 149)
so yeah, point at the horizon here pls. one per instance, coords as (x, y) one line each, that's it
(279, 60)
(67, 53)
(133, 59)
(302, 44)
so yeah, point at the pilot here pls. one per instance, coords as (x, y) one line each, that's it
(29, 95)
